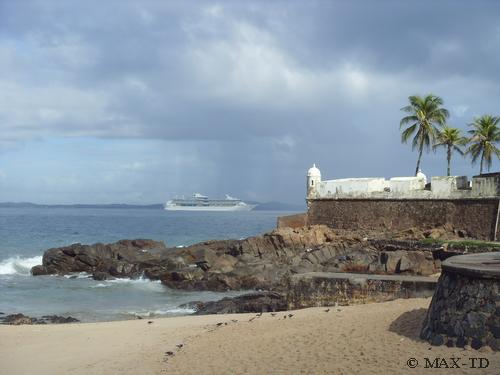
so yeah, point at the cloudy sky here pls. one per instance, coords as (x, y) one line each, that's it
(139, 101)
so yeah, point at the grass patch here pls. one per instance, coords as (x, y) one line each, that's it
(462, 243)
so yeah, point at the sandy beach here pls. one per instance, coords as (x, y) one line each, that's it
(367, 339)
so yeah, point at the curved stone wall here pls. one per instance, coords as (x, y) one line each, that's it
(465, 308)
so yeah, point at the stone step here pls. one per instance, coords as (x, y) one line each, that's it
(330, 288)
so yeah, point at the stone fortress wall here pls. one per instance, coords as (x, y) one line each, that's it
(474, 218)
(402, 203)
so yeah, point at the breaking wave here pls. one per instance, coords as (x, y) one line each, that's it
(19, 266)
(78, 275)
(161, 312)
(141, 283)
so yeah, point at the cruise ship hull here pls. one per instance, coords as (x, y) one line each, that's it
(174, 207)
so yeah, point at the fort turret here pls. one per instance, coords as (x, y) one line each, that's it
(313, 179)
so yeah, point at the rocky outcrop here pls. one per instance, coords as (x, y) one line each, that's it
(19, 319)
(126, 258)
(248, 303)
(260, 262)
(16, 319)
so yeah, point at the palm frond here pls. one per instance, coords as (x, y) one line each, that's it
(405, 120)
(408, 133)
(458, 149)
(485, 133)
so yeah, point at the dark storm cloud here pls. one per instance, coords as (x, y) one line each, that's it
(273, 86)
(427, 36)
(164, 68)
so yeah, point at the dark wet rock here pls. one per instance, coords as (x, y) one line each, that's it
(19, 319)
(99, 276)
(126, 258)
(247, 303)
(39, 270)
(55, 319)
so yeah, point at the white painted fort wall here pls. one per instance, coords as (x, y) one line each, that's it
(441, 187)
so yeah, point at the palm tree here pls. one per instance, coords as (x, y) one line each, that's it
(484, 136)
(451, 138)
(425, 114)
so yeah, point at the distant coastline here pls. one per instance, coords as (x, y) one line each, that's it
(264, 206)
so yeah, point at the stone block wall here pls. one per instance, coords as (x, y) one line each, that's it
(465, 308)
(477, 217)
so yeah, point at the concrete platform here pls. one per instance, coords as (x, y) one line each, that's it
(481, 265)
(367, 276)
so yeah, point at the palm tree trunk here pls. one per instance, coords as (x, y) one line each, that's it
(449, 161)
(421, 148)
(481, 165)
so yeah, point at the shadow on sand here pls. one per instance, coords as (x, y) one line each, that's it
(409, 324)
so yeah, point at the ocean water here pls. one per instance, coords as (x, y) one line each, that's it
(26, 232)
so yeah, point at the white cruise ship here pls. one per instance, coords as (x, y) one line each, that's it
(199, 202)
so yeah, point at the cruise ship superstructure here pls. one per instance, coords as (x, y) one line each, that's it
(199, 202)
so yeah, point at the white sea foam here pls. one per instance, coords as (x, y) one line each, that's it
(19, 266)
(159, 312)
(180, 311)
(141, 280)
(141, 283)
(101, 285)
(79, 275)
